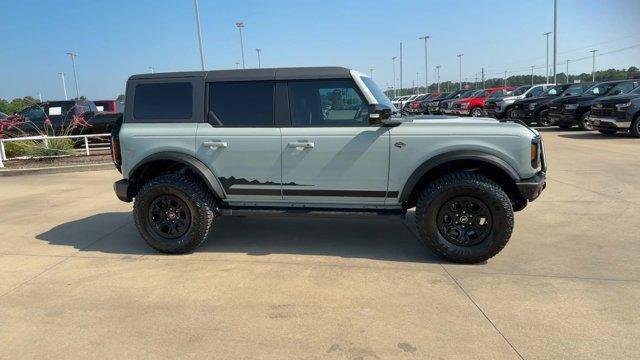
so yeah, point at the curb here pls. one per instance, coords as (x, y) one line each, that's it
(57, 169)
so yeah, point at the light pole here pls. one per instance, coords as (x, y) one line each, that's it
(438, 76)
(531, 75)
(547, 68)
(505, 78)
(195, 4)
(64, 85)
(240, 25)
(593, 66)
(237, 65)
(151, 69)
(417, 82)
(75, 74)
(460, 68)
(426, 63)
(555, 39)
(258, 52)
(401, 76)
(567, 71)
(395, 90)
(371, 73)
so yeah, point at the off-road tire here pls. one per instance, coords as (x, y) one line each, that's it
(607, 132)
(471, 185)
(584, 123)
(635, 127)
(197, 198)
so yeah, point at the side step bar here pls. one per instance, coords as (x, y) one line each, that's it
(248, 211)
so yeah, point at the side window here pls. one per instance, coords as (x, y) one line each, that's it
(247, 103)
(163, 101)
(327, 103)
(537, 91)
(34, 114)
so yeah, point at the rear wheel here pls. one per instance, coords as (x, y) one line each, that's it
(585, 123)
(174, 213)
(476, 112)
(635, 127)
(543, 118)
(464, 217)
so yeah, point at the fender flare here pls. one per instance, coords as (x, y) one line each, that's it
(431, 163)
(191, 162)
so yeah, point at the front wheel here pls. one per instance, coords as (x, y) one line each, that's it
(635, 127)
(476, 112)
(543, 118)
(464, 217)
(585, 123)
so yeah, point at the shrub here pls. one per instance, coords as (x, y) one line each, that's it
(36, 148)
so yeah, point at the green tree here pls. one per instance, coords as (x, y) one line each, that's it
(120, 97)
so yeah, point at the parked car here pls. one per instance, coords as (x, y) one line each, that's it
(433, 105)
(401, 99)
(446, 106)
(112, 106)
(69, 117)
(421, 105)
(617, 113)
(536, 109)
(474, 105)
(504, 107)
(574, 110)
(407, 103)
(296, 150)
(414, 106)
(491, 102)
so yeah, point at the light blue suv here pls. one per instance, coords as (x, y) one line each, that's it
(195, 145)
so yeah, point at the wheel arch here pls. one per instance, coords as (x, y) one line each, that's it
(483, 163)
(164, 162)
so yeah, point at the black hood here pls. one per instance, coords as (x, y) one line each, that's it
(618, 99)
(537, 99)
(575, 99)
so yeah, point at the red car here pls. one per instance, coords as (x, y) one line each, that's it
(474, 105)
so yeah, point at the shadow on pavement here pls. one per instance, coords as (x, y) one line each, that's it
(596, 136)
(384, 238)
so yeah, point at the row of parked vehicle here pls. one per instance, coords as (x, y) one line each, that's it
(609, 106)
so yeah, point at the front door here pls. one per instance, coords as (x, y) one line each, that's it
(240, 142)
(330, 153)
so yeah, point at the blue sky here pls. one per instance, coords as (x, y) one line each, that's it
(117, 38)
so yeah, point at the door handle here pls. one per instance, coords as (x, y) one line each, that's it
(301, 145)
(215, 144)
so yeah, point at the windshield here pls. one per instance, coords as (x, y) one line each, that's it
(556, 90)
(599, 89)
(623, 88)
(479, 93)
(521, 90)
(443, 96)
(466, 94)
(574, 90)
(381, 98)
(635, 91)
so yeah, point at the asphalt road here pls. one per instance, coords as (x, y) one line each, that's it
(76, 281)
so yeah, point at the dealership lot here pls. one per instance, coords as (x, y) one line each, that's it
(77, 281)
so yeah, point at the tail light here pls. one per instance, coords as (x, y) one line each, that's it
(116, 156)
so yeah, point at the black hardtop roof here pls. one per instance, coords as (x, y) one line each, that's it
(298, 73)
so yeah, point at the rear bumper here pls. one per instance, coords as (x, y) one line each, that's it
(603, 123)
(122, 189)
(532, 187)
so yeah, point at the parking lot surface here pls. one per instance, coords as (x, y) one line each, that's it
(77, 281)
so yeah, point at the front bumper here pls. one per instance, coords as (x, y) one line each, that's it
(122, 189)
(434, 109)
(603, 123)
(532, 187)
(563, 119)
(526, 115)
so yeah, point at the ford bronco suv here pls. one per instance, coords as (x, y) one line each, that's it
(196, 145)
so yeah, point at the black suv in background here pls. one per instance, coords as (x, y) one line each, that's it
(446, 106)
(492, 102)
(536, 109)
(571, 110)
(617, 113)
(433, 105)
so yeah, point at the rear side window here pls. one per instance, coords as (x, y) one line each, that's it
(163, 101)
(248, 103)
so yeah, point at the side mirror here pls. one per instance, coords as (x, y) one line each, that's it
(378, 114)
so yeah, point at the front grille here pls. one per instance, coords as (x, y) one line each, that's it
(606, 111)
(457, 106)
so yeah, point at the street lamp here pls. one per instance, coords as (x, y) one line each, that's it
(547, 35)
(258, 52)
(460, 68)
(567, 71)
(151, 69)
(240, 25)
(505, 78)
(593, 66)
(75, 74)
(237, 65)
(555, 39)
(64, 85)
(395, 91)
(532, 75)
(426, 65)
(195, 4)
(371, 73)
(438, 76)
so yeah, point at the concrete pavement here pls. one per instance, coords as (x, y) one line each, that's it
(77, 281)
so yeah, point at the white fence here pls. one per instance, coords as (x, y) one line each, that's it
(45, 141)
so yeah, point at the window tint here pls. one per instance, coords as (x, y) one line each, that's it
(33, 114)
(241, 104)
(623, 88)
(163, 101)
(327, 103)
(536, 91)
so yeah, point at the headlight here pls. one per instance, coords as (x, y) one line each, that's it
(532, 106)
(623, 107)
(571, 106)
(464, 105)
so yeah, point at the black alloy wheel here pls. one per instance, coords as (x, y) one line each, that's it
(464, 221)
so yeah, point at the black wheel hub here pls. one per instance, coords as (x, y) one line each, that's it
(169, 216)
(464, 221)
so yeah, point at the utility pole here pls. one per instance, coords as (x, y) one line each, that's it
(64, 85)
(395, 90)
(505, 78)
(240, 25)
(151, 69)
(371, 73)
(417, 82)
(567, 71)
(401, 75)
(237, 65)
(460, 69)
(258, 52)
(593, 66)
(483, 78)
(555, 39)
(426, 63)
(531, 75)
(75, 73)
(195, 4)
(475, 83)
(438, 76)
(547, 67)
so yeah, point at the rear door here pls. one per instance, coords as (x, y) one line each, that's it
(330, 153)
(240, 141)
